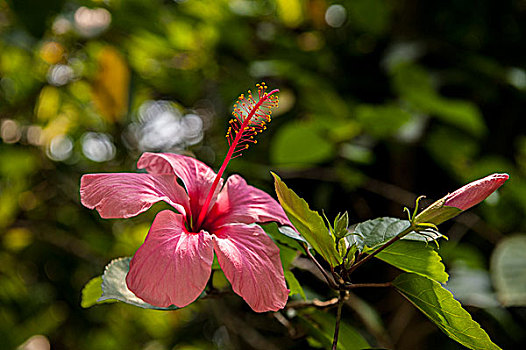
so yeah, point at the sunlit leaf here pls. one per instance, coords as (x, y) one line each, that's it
(308, 222)
(415, 257)
(439, 306)
(17, 162)
(111, 84)
(17, 238)
(290, 12)
(294, 285)
(91, 293)
(48, 103)
(508, 270)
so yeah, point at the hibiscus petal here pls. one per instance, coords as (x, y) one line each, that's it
(239, 202)
(122, 195)
(250, 261)
(172, 266)
(196, 176)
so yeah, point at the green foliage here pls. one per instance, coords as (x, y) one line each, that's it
(439, 306)
(299, 145)
(284, 234)
(381, 121)
(309, 223)
(508, 264)
(371, 234)
(415, 257)
(414, 85)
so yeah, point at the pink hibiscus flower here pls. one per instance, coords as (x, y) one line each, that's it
(173, 265)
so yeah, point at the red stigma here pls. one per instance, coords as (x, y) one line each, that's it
(251, 117)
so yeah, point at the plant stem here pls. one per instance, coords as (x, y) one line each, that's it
(331, 283)
(338, 319)
(387, 244)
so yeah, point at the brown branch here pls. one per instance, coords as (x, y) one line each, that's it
(341, 298)
(368, 285)
(331, 283)
(300, 304)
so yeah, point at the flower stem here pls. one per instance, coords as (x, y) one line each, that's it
(228, 157)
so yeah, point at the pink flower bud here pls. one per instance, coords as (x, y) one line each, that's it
(462, 199)
(475, 192)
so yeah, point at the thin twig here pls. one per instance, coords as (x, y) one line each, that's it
(368, 285)
(331, 283)
(299, 304)
(286, 323)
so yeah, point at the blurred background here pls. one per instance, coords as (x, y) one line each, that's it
(380, 101)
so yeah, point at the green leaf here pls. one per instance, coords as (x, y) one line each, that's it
(439, 306)
(309, 223)
(91, 292)
(298, 145)
(114, 286)
(376, 232)
(294, 284)
(452, 148)
(414, 84)
(508, 267)
(283, 234)
(415, 257)
(320, 325)
(381, 121)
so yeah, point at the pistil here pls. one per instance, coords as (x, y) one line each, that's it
(244, 133)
